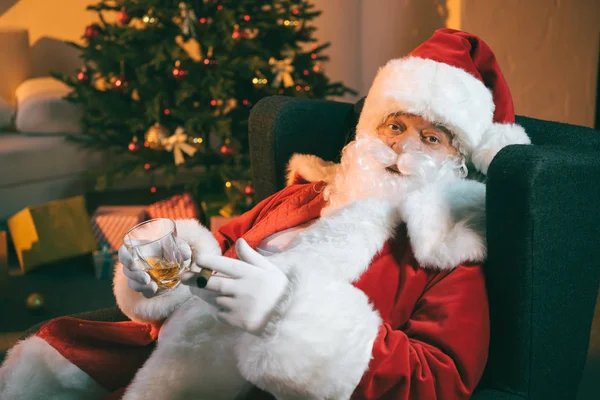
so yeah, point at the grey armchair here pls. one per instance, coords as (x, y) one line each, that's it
(543, 227)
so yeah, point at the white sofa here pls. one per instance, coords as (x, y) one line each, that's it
(39, 166)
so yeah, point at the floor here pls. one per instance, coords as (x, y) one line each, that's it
(67, 288)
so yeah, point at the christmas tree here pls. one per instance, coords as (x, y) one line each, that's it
(171, 84)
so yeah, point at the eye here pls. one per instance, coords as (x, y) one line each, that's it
(432, 139)
(396, 127)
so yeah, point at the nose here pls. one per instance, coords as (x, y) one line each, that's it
(407, 142)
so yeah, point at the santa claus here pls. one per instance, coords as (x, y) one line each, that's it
(358, 280)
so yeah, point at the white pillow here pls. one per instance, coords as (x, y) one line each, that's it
(6, 114)
(41, 107)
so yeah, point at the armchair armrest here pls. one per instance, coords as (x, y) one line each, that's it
(281, 126)
(543, 268)
(552, 133)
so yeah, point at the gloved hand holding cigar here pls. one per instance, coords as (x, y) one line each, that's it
(245, 291)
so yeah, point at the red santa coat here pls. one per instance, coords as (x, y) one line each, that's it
(372, 324)
(432, 340)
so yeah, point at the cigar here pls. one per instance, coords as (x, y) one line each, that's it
(202, 280)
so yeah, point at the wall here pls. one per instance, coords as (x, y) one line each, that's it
(49, 23)
(340, 24)
(392, 28)
(548, 51)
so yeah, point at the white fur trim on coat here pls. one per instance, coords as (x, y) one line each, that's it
(494, 139)
(35, 370)
(311, 168)
(293, 361)
(156, 309)
(446, 223)
(194, 359)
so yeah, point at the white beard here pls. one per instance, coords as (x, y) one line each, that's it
(362, 173)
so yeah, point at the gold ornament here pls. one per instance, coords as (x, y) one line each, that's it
(230, 105)
(156, 136)
(101, 83)
(191, 47)
(177, 143)
(35, 301)
(283, 71)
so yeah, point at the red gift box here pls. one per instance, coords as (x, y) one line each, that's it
(177, 207)
(110, 223)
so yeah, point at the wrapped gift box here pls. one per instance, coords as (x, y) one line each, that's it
(110, 223)
(177, 207)
(104, 261)
(51, 232)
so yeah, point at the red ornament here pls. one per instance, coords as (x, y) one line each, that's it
(179, 73)
(227, 149)
(246, 102)
(246, 18)
(83, 76)
(210, 62)
(153, 189)
(220, 7)
(249, 190)
(313, 56)
(119, 84)
(213, 102)
(202, 20)
(147, 166)
(92, 31)
(134, 146)
(123, 17)
(306, 72)
(167, 111)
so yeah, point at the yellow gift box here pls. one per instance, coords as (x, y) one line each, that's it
(51, 232)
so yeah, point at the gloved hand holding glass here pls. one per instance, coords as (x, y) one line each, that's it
(153, 257)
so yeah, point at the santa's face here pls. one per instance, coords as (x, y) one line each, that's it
(405, 153)
(407, 133)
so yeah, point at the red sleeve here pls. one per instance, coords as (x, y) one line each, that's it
(237, 227)
(441, 351)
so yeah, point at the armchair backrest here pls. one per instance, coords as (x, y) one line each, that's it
(543, 224)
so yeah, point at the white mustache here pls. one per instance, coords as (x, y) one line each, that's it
(373, 154)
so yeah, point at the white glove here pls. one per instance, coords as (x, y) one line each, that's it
(138, 279)
(247, 294)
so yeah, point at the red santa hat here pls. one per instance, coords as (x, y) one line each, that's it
(455, 80)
